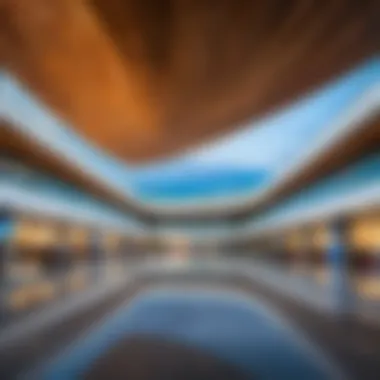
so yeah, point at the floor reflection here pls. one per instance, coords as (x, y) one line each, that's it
(177, 334)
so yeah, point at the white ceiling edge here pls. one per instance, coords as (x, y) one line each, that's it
(352, 120)
(23, 201)
(365, 200)
(367, 107)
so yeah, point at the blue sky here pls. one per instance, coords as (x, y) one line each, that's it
(264, 145)
(282, 136)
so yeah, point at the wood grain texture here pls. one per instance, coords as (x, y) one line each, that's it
(146, 79)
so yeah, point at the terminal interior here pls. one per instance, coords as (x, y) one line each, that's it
(247, 249)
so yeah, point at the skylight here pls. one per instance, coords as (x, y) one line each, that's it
(239, 164)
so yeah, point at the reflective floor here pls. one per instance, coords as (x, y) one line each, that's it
(240, 334)
(191, 319)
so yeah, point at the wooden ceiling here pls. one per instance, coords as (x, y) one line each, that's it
(146, 79)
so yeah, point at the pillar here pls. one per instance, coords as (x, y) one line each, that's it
(96, 255)
(338, 262)
(151, 226)
(125, 248)
(306, 236)
(64, 258)
(6, 230)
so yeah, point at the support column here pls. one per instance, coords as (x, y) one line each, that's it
(96, 255)
(112, 254)
(338, 261)
(6, 231)
(132, 249)
(125, 251)
(306, 248)
(151, 225)
(64, 259)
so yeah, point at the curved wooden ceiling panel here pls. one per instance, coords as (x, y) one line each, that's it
(148, 78)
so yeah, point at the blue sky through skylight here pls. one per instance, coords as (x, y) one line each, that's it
(249, 157)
